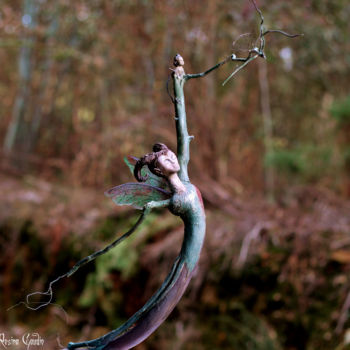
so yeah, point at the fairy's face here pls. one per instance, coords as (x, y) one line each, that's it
(168, 163)
(180, 60)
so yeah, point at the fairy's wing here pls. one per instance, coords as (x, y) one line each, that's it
(136, 194)
(152, 179)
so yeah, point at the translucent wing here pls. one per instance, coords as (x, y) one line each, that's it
(152, 179)
(244, 43)
(136, 194)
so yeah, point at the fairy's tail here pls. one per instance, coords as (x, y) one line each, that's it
(145, 321)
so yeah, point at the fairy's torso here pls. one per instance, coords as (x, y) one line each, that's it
(189, 206)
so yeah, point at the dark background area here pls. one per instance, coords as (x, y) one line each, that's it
(83, 84)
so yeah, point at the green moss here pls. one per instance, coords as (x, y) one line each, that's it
(288, 161)
(340, 110)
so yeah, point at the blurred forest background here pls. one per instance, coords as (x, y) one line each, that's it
(83, 84)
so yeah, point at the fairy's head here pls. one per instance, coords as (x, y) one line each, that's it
(178, 60)
(161, 162)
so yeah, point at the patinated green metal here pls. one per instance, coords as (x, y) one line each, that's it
(183, 138)
(173, 190)
(165, 184)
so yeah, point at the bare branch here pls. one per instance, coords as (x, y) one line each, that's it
(282, 32)
(255, 52)
(200, 75)
(251, 238)
(240, 67)
(49, 292)
(343, 315)
(259, 12)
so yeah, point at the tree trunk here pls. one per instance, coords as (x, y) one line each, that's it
(16, 132)
(267, 126)
(42, 100)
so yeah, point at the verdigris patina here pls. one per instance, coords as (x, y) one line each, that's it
(163, 182)
(166, 184)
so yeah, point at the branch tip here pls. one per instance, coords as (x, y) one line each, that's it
(256, 51)
(282, 32)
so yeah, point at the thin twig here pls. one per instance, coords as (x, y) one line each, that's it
(282, 32)
(79, 264)
(253, 53)
(258, 51)
(200, 75)
(249, 239)
(239, 68)
(343, 315)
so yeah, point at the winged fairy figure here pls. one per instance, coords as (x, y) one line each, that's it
(158, 186)
(162, 182)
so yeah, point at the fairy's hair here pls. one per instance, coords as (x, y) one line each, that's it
(150, 160)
